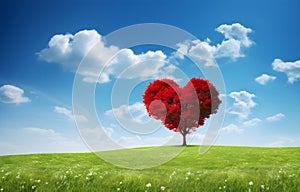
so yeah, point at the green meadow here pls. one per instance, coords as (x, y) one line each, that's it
(221, 168)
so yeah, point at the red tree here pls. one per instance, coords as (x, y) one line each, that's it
(181, 109)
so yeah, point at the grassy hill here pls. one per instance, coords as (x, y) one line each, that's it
(220, 169)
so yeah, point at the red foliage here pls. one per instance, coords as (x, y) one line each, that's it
(181, 109)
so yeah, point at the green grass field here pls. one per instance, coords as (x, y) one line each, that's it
(220, 169)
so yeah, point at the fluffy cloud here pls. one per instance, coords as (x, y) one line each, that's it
(51, 140)
(135, 112)
(201, 52)
(69, 50)
(264, 79)
(285, 142)
(63, 111)
(68, 113)
(235, 39)
(252, 122)
(48, 132)
(151, 64)
(236, 31)
(275, 117)
(99, 138)
(243, 102)
(291, 69)
(12, 94)
(134, 141)
(231, 128)
(230, 48)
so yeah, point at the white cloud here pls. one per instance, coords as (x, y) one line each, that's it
(264, 79)
(68, 113)
(101, 138)
(222, 95)
(243, 103)
(231, 128)
(109, 131)
(8, 148)
(252, 122)
(291, 69)
(284, 142)
(133, 141)
(37, 140)
(230, 48)
(151, 64)
(63, 111)
(195, 138)
(133, 118)
(48, 132)
(12, 94)
(201, 52)
(275, 117)
(137, 111)
(69, 50)
(236, 31)
(235, 39)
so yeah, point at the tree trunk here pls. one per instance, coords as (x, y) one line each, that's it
(184, 139)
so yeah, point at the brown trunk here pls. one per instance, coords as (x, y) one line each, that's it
(184, 139)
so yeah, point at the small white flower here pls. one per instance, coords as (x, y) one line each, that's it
(262, 186)
(251, 183)
(224, 186)
(148, 185)
(118, 189)
(18, 177)
(121, 182)
(90, 174)
(1, 189)
(33, 187)
(292, 175)
(162, 188)
(225, 180)
(87, 178)
(220, 188)
(46, 183)
(188, 173)
(38, 181)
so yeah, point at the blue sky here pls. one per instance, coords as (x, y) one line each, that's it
(254, 43)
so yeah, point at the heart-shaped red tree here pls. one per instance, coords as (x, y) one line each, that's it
(181, 109)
